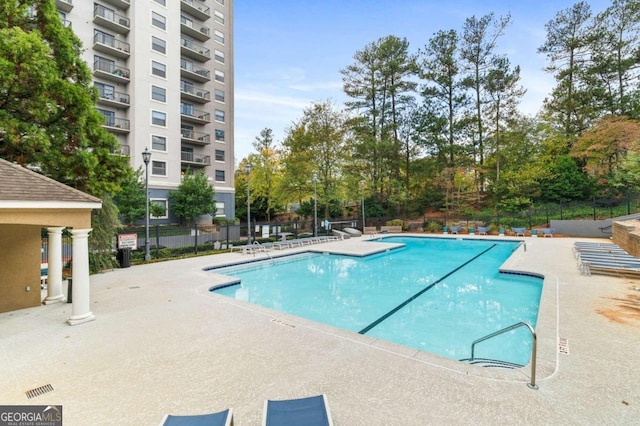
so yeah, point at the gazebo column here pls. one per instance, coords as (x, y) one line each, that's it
(54, 256)
(80, 294)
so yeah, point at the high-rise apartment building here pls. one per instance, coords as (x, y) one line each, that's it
(164, 73)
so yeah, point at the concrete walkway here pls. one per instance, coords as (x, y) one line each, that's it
(162, 343)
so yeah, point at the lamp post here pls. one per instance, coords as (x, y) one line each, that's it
(247, 169)
(146, 157)
(362, 187)
(315, 205)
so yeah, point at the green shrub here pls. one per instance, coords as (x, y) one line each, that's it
(433, 226)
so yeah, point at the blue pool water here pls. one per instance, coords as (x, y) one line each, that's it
(454, 306)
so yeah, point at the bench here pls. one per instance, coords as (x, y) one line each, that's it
(391, 228)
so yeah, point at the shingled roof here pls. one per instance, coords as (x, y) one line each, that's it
(20, 184)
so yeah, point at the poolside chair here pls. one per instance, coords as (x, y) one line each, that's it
(456, 229)
(222, 418)
(310, 411)
(483, 230)
(353, 232)
(340, 234)
(519, 231)
(547, 232)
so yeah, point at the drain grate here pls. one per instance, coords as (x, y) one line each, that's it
(39, 391)
(133, 287)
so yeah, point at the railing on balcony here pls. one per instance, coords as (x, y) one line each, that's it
(196, 48)
(189, 157)
(116, 97)
(109, 41)
(196, 8)
(117, 123)
(110, 16)
(109, 67)
(123, 150)
(197, 92)
(192, 136)
(196, 114)
(64, 5)
(195, 72)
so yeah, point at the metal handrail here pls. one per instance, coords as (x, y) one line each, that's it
(534, 349)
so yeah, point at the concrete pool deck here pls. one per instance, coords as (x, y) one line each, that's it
(162, 343)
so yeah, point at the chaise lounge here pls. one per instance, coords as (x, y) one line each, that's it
(310, 411)
(222, 418)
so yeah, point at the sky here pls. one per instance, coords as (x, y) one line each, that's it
(288, 53)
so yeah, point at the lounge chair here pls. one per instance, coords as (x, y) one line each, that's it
(456, 229)
(519, 231)
(353, 232)
(340, 234)
(483, 230)
(222, 418)
(547, 232)
(311, 411)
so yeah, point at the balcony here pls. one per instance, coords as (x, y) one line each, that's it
(195, 116)
(195, 138)
(196, 8)
(194, 50)
(114, 99)
(106, 44)
(64, 5)
(108, 19)
(124, 150)
(194, 29)
(191, 159)
(193, 72)
(194, 94)
(120, 4)
(111, 71)
(116, 125)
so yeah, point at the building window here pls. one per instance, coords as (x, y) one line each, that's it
(220, 115)
(158, 143)
(162, 202)
(159, 118)
(158, 20)
(219, 175)
(162, 2)
(220, 210)
(218, 95)
(187, 109)
(104, 38)
(218, 17)
(109, 117)
(159, 93)
(105, 91)
(218, 36)
(219, 155)
(220, 2)
(158, 69)
(219, 56)
(158, 168)
(220, 135)
(186, 21)
(219, 76)
(158, 44)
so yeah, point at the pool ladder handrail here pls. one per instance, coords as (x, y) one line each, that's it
(534, 349)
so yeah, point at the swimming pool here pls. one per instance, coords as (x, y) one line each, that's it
(433, 294)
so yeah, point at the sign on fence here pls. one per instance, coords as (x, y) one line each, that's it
(127, 241)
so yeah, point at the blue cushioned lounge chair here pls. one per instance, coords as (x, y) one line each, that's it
(222, 418)
(311, 411)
